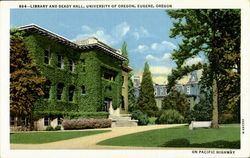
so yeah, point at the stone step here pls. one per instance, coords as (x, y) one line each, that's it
(125, 115)
(122, 123)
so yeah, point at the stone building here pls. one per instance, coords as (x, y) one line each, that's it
(82, 76)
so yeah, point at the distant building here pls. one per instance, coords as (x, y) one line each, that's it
(160, 92)
(191, 89)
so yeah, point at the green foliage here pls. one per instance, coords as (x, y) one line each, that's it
(26, 82)
(216, 33)
(146, 101)
(69, 115)
(49, 128)
(96, 64)
(57, 128)
(141, 117)
(152, 120)
(176, 101)
(170, 116)
(125, 53)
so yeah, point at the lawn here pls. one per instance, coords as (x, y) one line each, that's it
(180, 137)
(47, 137)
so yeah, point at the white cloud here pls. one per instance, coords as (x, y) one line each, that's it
(141, 48)
(140, 32)
(160, 70)
(113, 37)
(86, 28)
(160, 79)
(166, 56)
(194, 61)
(121, 30)
(164, 45)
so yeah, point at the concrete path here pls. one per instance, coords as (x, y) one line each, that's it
(89, 142)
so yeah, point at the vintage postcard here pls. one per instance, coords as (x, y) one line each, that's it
(124, 79)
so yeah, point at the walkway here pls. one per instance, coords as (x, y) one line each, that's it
(89, 142)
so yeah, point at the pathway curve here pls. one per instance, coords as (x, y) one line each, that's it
(89, 142)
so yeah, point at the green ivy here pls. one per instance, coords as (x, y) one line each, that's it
(96, 64)
(69, 115)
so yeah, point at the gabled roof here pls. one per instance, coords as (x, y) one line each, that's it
(90, 43)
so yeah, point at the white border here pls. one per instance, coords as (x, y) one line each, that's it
(4, 80)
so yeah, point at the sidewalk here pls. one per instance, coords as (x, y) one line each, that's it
(89, 142)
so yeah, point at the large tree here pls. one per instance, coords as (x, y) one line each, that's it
(146, 101)
(26, 83)
(131, 89)
(216, 33)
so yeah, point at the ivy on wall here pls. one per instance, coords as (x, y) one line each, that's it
(95, 63)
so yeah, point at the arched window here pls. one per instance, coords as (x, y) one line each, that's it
(71, 65)
(60, 62)
(83, 90)
(47, 89)
(59, 91)
(46, 56)
(71, 92)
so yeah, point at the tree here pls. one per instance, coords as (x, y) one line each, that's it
(216, 33)
(146, 101)
(131, 89)
(176, 101)
(26, 83)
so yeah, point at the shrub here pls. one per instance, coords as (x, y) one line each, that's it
(152, 120)
(86, 123)
(170, 116)
(141, 117)
(49, 128)
(58, 128)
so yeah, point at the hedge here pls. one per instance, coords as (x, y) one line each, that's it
(69, 115)
(86, 123)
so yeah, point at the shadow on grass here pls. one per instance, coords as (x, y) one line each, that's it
(215, 144)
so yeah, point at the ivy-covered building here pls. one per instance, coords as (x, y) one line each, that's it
(82, 76)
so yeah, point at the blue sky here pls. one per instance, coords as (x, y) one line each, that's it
(146, 32)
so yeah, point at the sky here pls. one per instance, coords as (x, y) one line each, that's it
(146, 32)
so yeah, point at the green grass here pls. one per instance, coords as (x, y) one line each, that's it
(47, 137)
(159, 137)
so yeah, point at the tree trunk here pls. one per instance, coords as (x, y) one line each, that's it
(215, 105)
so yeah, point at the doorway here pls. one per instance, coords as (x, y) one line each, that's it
(107, 104)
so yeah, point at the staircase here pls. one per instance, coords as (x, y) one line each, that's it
(123, 120)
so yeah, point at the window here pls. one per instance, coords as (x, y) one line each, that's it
(59, 91)
(71, 65)
(60, 62)
(71, 92)
(161, 91)
(188, 89)
(155, 91)
(123, 81)
(47, 89)
(109, 77)
(23, 121)
(123, 103)
(46, 121)
(46, 56)
(83, 90)
(12, 120)
(83, 65)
